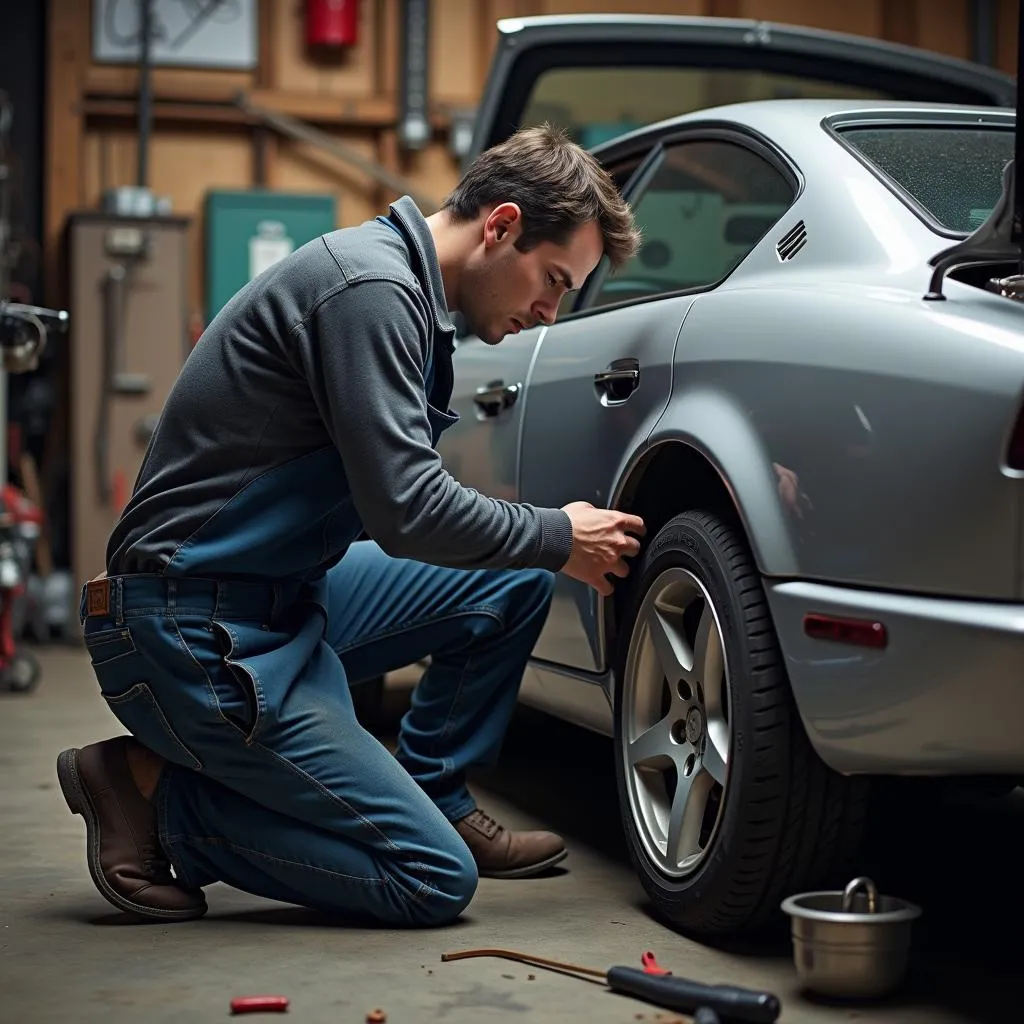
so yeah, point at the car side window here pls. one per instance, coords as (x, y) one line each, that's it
(703, 209)
(621, 173)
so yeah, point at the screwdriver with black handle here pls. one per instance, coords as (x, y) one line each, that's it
(717, 1004)
(730, 1003)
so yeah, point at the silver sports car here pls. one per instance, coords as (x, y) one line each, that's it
(809, 384)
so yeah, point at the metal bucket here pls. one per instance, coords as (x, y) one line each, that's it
(850, 944)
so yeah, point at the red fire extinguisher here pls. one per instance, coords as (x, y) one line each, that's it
(332, 24)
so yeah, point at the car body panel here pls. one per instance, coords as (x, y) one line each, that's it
(584, 700)
(858, 282)
(841, 407)
(566, 414)
(945, 697)
(482, 449)
(890, 411)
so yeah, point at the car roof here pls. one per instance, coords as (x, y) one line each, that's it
(784, 119)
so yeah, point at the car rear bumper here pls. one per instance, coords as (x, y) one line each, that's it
(944, 697)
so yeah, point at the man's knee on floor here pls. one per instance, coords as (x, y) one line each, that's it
(447, 894)
(407, 896)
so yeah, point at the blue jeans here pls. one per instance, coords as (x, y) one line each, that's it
(271, 785)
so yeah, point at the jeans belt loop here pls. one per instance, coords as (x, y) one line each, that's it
(172, 597)
(117, 599)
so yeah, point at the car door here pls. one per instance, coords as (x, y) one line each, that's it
(489, 392)
(602, 375)
(481, 450)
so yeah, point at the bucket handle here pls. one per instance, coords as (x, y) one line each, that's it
(857, 884)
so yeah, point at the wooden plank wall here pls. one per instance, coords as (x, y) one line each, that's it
(91, 134)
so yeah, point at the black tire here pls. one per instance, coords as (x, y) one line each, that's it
(786, 822)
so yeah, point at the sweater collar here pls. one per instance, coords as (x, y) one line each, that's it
(416, 230)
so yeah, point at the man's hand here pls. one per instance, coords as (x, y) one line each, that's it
(600, 542)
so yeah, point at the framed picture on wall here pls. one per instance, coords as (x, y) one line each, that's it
(184, 33)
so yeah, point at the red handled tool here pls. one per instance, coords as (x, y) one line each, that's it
(259, 1004)
(655, 985)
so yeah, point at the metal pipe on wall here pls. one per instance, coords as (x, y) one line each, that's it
(303, 132)
(413, 116)
(6, 126)
(145, 89)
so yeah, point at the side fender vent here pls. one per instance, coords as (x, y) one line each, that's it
(792, 241)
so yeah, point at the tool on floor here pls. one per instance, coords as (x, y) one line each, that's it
(655, 985)
(259, 1004)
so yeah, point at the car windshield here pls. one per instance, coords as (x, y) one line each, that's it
(595, 104)
(952, 173)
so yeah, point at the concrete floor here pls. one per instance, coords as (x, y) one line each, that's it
(64, 952)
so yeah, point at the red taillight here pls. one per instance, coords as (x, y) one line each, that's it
(1015, 449)
(861, 632)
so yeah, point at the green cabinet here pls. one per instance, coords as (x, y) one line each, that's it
(248, 231)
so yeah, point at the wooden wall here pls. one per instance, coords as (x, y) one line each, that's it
(201, 139)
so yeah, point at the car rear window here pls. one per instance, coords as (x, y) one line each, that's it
(953, 174)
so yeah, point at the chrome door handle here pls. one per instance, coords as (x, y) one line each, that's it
(609, 376)
(619, 381)
(496, 396)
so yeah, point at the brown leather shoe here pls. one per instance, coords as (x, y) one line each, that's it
(123, 850)
(500, 853)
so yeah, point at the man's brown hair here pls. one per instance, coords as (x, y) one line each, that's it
(557, 185)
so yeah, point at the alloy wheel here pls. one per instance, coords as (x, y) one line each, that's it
(676, 736)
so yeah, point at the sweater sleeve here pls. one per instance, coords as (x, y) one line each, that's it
(364, 353)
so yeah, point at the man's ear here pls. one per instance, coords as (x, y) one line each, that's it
(504, 223)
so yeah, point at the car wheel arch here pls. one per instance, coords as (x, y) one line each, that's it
(674, 474)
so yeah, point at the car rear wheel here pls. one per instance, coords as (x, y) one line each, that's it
(726, 807)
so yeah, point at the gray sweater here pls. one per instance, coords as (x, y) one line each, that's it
(307, 415)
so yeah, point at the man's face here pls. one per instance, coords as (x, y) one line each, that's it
(502, 290)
